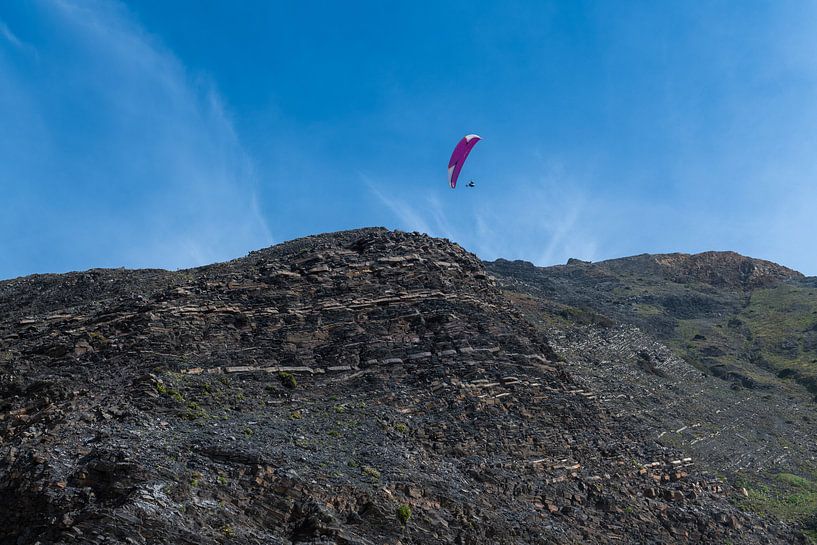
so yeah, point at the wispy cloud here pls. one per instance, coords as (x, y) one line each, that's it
(12, 38)
(407, 217)
(544, 221)
(439, 215)
(6, 33)
(136, 159)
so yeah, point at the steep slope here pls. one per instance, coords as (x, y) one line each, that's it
(359, 387)
(747, 320)
(712, 351)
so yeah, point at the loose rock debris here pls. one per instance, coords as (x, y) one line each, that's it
(307, 392)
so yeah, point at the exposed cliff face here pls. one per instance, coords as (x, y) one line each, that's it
(716, 352)
(740, 318)
(358, 387)
(724, 270)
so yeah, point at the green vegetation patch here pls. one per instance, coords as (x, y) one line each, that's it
(193, 411)
(371, 472)
(783, 326)
(403, 514)
(772, 337)
(644, 309)
(788, 497)
(288, 380)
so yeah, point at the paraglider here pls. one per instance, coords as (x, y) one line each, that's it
(462, 150)
(471, 184)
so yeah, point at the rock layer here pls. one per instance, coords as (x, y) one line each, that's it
(361, 387)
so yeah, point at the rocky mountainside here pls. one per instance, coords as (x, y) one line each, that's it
(363, 387)
(716, 352)
(721, 269)
(748, 320)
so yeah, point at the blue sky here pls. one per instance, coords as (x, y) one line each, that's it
(175, 134)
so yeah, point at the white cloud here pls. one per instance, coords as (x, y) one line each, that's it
(6, 33)
(136, 159)
(544, 221)
(408, 218)
(12, 38)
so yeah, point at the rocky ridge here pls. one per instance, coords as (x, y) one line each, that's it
(361, 387)
(714, 352)
(724, 269)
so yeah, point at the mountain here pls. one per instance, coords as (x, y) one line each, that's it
(716, 352)
(361, 387)
(748, 320)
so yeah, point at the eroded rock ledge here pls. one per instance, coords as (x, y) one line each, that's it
(362, 387)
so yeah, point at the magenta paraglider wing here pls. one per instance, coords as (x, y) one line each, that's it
(462, 150)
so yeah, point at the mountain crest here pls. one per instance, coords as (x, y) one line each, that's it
(724, 269)
(352, 388)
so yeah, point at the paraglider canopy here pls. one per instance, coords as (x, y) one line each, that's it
(462, 150)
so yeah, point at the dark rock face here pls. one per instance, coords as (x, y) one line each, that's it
(362, 387)
(715, 352)
(714, 307)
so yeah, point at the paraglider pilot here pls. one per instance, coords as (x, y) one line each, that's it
(464, 147)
